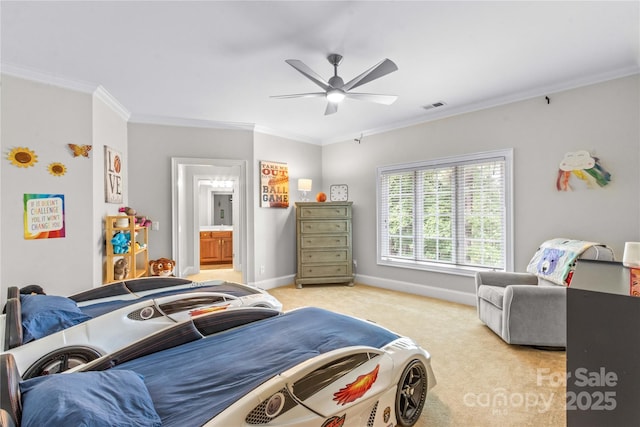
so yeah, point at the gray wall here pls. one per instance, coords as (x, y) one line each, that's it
(109, 128)
(151, 148)
(271, 231)
(45, 118)
(602, 118)
(275, 228)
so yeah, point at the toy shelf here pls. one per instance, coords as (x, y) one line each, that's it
(137, 255)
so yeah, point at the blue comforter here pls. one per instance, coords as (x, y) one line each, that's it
(192, 383)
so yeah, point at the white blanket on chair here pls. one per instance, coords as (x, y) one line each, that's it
(555, 259)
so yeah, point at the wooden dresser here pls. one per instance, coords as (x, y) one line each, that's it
(323, 237)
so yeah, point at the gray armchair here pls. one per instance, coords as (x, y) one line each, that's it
(525, 309)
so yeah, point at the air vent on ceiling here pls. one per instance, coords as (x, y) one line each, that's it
(434, 105)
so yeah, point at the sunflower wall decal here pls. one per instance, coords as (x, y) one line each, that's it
(57, 169)
(22, 157)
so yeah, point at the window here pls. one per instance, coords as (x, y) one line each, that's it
(451, 214)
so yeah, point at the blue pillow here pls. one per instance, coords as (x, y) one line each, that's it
(43, 315)
(102, 398)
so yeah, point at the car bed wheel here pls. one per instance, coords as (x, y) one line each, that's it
(411, 394)
(61, 360)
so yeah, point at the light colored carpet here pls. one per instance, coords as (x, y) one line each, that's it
(482, 381)
(227, 274)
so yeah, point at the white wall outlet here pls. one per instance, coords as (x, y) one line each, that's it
(355, 263)
(155, 225)
(262, 269)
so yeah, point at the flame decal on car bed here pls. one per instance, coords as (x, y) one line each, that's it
(335, 421)
(356, 389)
(205, 310)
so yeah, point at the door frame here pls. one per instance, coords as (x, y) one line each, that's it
(185, 206)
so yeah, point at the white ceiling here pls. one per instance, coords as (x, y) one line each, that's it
(219, 62)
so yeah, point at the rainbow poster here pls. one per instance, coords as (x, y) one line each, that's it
(43, 216)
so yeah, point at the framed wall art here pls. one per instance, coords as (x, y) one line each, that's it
(274, 185)
(113, 167)
(43, 216)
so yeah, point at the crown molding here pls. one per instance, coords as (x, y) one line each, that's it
(78, 86)
(47, 78)
(450, 111)
(186, 122)
(102, 94)
(212, 124)
(287, 135)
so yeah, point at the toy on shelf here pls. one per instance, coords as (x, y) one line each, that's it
(140, 220)
(125, 239)
(121, 243)
(120, 269)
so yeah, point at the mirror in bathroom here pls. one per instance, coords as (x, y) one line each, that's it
(222, 209)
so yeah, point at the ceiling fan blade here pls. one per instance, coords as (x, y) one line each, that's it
(332, 107)
(383, 68)
(301, 95)
(309, 73)
(372, 97)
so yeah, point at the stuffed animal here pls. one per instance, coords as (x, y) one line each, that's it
(121, 269)
(140, 220)
(161, 267)
(127, 210)
(143, 221)
(121, 243)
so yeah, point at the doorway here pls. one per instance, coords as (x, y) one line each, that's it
(186, 209)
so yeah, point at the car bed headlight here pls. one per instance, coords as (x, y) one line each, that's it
(277, 404)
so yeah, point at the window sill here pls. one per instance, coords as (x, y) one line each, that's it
(434, 267)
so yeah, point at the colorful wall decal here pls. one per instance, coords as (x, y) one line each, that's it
(585, 167)
(80, 150)
(22, 157)
(57, 169)
(43, 216)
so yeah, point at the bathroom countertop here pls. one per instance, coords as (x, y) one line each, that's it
(216, 228)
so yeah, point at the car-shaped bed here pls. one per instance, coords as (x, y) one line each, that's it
(306, 367)
(66, 331)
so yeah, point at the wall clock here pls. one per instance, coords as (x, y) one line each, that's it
(339, 193)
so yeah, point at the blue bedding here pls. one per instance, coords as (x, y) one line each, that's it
(43, 315)
(95, 310)
(192, 383)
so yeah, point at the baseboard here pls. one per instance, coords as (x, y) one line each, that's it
(393, 285)
(275, 282)
(418, 289)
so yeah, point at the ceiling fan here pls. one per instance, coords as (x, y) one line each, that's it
(335, 90)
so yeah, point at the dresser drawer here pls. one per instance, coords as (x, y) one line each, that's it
(324, 256)
(323, 270)
(205, 234)
(324, 226)
(327, 212)
(323, 241)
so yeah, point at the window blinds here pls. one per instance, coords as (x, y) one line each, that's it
(450, 212)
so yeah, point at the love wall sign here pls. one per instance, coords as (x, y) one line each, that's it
(113, 168)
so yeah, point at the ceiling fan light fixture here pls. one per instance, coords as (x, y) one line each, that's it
(335, 96)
